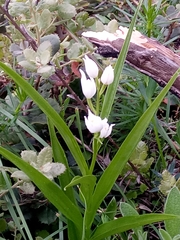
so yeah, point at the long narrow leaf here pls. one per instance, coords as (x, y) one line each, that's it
(52, 115)
(112, 172)
(24, 126)
(50, 189)
(126, 223)
(112, 88)
(59, 156)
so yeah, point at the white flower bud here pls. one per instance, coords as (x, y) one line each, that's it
(88, 86)
(93, 123)
(107, 75)
(91, 67)
(106, 130)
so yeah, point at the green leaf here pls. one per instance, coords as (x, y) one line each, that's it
(89, 22)
(165, 235)
(75, 51)
(126, 223)
(44, 156)
(66, 10)
(28, 65)
(167, 182)
(45, 57)
(128, 210)
(46, 71)
(29, 54)
(44, 19)
(87, 185)
(112, 26)
(45, 46)
(55, 42)
(111, 209)
(172, 207)
(3, 225)
(47, 215)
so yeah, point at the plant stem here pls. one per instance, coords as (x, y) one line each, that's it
(95, 151)
(21, 29)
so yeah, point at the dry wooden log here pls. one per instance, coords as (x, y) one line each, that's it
(146, 55)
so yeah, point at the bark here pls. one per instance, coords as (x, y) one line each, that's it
(147, 56)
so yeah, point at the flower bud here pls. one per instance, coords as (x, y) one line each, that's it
(106, 130)
(88, 85)
(93, 123)
(91, 67)
(107, 76)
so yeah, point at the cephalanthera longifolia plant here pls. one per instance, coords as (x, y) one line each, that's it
(80, 217)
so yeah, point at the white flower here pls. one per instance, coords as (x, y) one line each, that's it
(107, 75)
(93, 123)
(91, 67)
(106, 130)
(88, 86)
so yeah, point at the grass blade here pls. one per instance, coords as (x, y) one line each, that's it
(126, 223)
(112, 88)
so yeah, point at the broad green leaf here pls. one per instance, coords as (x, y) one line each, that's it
(29, 54)
(44, 19)
(89, 21)
(47, 215)
(167, 182)
(54, 41)
(27, 188)
(66, 10)
(75, 51)
(44, 156)
(29, 156)
(3, 225)
(28, 65)
(52, 115)
(112, 26)
(126, 223)
(127, 210)
(46, 71)
(172, 207)
(45, 57)
(165, 235)
(20, 175)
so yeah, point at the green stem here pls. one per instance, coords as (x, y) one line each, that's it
(95, 151)
(102, 89)
(91, 106)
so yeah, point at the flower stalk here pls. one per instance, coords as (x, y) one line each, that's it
(92, 86)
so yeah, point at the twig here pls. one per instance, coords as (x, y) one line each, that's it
(21, 29)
